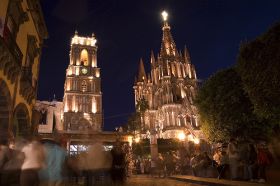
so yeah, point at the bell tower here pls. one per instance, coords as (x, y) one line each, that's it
(82, 101)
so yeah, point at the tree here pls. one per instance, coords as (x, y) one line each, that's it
(259, 67)
(134, 122)
(142, 105)
(225, 109)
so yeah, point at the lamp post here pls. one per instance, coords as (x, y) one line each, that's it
(153, 145)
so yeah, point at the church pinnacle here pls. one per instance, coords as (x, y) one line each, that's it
(168, 46)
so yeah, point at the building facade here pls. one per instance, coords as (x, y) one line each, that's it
(82, 102)
(169, 90)
(22, 32)
(78, 119)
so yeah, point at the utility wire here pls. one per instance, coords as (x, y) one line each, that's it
(118, 115)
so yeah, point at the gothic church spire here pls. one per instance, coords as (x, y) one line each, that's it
(141, 74)
(168, 46)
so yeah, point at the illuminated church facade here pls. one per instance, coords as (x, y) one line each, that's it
(82, 101)
(81, 109)
(169, 90)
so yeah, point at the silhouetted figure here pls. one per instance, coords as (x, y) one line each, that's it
(264, 159)
(253, 164)
(118, 164)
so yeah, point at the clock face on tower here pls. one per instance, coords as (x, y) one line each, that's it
(84, 70)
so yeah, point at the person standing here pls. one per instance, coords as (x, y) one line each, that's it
(264, 159)
(233, 159)
(118, 164)
(252, 168)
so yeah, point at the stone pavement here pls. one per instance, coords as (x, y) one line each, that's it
(216, 182)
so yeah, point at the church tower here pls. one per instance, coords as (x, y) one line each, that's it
(82, 102)
(169, 89)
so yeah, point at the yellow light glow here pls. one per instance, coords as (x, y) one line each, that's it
(181, 136)
(77, 71)
(97, 73)
(196, 141)
(90, 41)
(137, 140)
(93, 109)
(190, 137)
(164, 15)
(129, 139)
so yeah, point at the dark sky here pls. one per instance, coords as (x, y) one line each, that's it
(127, 30)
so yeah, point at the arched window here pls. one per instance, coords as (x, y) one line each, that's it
(84, 57)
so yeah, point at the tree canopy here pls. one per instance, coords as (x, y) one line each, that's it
(225, 109)
(259, 67)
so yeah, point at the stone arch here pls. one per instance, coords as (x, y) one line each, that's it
(5, 109)
(21, 121)
(84, 57)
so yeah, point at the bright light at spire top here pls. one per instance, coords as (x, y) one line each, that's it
(164, 15)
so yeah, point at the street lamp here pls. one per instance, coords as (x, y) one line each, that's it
(181, 136)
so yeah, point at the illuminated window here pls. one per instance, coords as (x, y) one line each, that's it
(84, 57)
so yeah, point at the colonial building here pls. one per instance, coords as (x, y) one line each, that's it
(169, 89)
(22, 32)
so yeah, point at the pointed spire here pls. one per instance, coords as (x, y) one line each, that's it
(152, 59)
(187, 55)
(180, 53)
(149, 77)
(168, 46)
(141, 73)
(76, 32)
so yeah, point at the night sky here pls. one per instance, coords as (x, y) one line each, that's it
(212, 30)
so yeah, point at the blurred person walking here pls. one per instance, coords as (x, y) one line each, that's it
(11, 170)
(53, 174)
(98, 165)
(34, 160)
(4, 155)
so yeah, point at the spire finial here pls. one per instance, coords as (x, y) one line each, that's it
(164, 15)
(76, 32)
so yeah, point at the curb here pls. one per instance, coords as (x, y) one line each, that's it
(200, 182)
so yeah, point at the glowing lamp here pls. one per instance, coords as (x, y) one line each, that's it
(196, 140)
(137, 140)
(181, 136)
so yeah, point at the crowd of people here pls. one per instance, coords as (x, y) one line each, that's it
(35, 162)
(240, 160)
